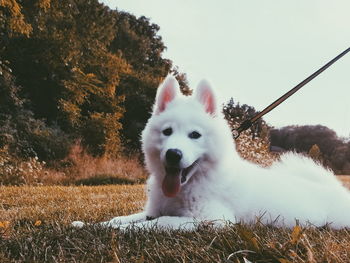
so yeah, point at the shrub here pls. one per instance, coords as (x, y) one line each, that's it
(253, 144)
(14, 171)
(256, 150)
(80, 167)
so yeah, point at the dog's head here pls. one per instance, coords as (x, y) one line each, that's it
(182, 135)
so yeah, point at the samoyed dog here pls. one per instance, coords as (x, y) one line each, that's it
(197, 176)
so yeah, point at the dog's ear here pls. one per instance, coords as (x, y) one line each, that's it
(166, 92)
(205, 95)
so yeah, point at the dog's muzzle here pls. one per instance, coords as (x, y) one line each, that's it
(174, 178)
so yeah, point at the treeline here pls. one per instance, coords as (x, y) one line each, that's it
(321, 142)
(317, 141)
(76, 70)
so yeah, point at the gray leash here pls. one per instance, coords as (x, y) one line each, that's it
(249, 122)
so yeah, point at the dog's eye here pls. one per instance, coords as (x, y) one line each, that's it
(168, 131)
(194, 135)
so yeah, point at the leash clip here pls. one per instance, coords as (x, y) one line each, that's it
(235, 134)
(244, 126)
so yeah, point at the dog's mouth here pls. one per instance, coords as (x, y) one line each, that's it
(174, 178)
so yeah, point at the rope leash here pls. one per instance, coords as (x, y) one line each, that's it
(249, 122)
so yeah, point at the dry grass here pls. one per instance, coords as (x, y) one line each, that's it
(35, 227)
(345, 179)
(79, 166)
(64, 204)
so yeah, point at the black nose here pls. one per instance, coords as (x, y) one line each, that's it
(173, 156)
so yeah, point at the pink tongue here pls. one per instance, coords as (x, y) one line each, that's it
(171, 185)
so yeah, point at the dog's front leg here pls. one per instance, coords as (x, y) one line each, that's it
(165, 223)
(217, 214)
(125, 220)
(117, 221)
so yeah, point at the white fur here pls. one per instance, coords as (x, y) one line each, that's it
(222, 186)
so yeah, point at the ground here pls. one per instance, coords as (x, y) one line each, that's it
(35, 227)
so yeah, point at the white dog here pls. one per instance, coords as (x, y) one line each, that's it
(196, 174)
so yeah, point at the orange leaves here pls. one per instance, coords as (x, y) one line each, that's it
(249, 237)
(4, 224)
(37, 223)
(296, 235)
(44, 4)
(12, 5)
(4, 228)
(17, 22)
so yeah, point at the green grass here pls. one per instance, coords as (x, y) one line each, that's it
(35, 227)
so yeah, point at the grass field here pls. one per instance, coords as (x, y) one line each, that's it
(35, 227)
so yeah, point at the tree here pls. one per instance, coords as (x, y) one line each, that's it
(139, 43)
(86, 69)
(253, 144)
(21, 134)
(335, 151)
(235, 114)
(182, 80)
(12, 20)
(67, 71)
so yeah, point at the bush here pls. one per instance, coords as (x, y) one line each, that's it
(14, 171)
(253, 144)
(82, 168)
(332, 151)
(27, 137)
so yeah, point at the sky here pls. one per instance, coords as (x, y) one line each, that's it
(255, 51)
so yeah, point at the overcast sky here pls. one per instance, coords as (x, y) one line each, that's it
(255, 51)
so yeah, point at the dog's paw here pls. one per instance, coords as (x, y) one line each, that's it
(78, 224)
(111, 224)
